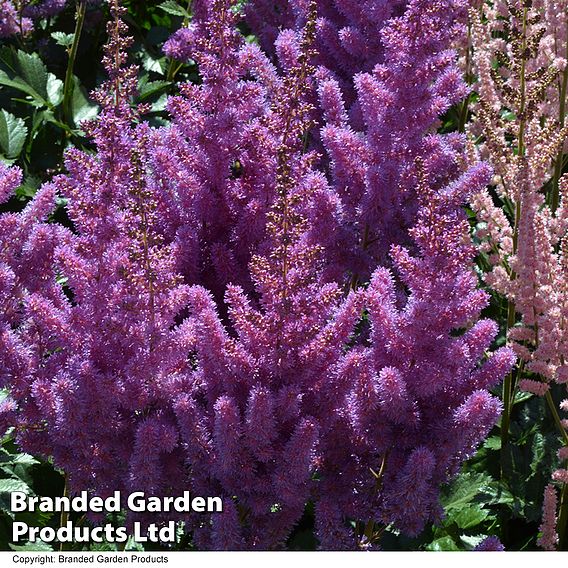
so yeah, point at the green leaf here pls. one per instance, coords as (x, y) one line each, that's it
(16, 459)
(38, 546)
(82, 108)
(24, 459)
(475, 488)
(495, 493)
(153, 62)
(160, 104)
(13, 132)
(132, 545)
(493, 443)
(521, 396)
(464, 489)
(26, 73)
(63, 39)
(148, 89)
(29, 187)
(445, 543)
(472, 541)
(470, 516)
(11, 485)
(174, 9)
(34, 73)
(54, 90)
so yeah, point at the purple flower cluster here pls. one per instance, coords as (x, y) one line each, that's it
(12, 20)
(17, 18)
(255, 307)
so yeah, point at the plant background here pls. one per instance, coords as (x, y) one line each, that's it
(498, 492)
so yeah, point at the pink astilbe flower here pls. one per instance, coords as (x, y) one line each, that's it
(549, 537)
(520, 60)
(526, 251)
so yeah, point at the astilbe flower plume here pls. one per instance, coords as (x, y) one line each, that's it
(520, 61)
(302, 384)
(417, 402)
(104, 349)
(490, 544)
(348, 39)
(372, 145)
(218, 159)
(424, 388)
(17, 17)
(12, 21)
(250, 423)
(26, 270)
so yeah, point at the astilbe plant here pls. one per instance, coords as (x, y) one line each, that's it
(250, 423)
(417, 402)
(100, 354)
(377, 99)
(520, 60)
(303, 384)
(400, 383)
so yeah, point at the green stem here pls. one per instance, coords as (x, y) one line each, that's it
(555, 197)
(508, 383)
(64, 514)
(69, 85)
(563, 520)
(511, 310)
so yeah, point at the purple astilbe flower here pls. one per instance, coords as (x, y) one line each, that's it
(347, 32)
(290, 389)
(18, 18)
(26, 270)
(372, 145)
(218, 160)
(417, 402)
(490, 544)
(250, 424)
(100, 360)
(12, 21)
(44, 9)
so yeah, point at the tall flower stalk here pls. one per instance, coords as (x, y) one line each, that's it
(520, 56)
